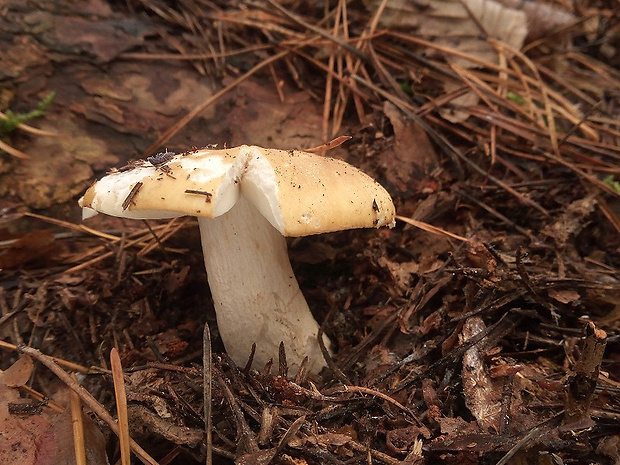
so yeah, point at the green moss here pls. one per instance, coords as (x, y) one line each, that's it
(613, 183)
(15, 119)
(515, 97)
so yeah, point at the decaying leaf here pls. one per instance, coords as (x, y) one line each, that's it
(482, 392)
(260, 457)
(565, 296)
(143, 420)
(542, 18)
(610, 446)
(411, 157)
(452, 112)
(40, 436)
(401, 272)
(20, 54)
(572, 221)
(329, 439)
(58, 169)
(31, 247)
(17, 374)
(401, 440)
(462, 25)
(176, 279)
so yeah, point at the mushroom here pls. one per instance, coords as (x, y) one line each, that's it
(247, 199)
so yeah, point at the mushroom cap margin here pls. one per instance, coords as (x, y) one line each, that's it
(321, 194)
(298, 192)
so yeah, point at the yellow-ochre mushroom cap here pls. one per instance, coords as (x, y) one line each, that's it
(299, 193)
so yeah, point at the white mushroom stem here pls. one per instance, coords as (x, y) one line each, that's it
(255, 293)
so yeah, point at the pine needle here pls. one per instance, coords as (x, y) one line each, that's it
(431, 229)
(207, 376)
(332, 144)
(121, 407)
(77, 422)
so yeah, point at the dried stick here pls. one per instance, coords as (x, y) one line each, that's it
(582, 381)
(59, 361)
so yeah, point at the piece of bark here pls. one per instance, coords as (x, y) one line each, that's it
(582, 381)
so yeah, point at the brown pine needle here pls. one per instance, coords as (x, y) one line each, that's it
(166, 231)
(121, 406)
(431, 229)
(36, 131)
(317, 30)
(30, 129)
(13, 151)
(328, 97)
(327, 105)
(138, 241)
(71, 226)
(207, 376)
(608, 212)
(194, 56)
(332, 144)
(77, 422)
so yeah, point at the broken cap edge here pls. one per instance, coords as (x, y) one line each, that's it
(187, 184)
(299, 193)
(320, 194)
